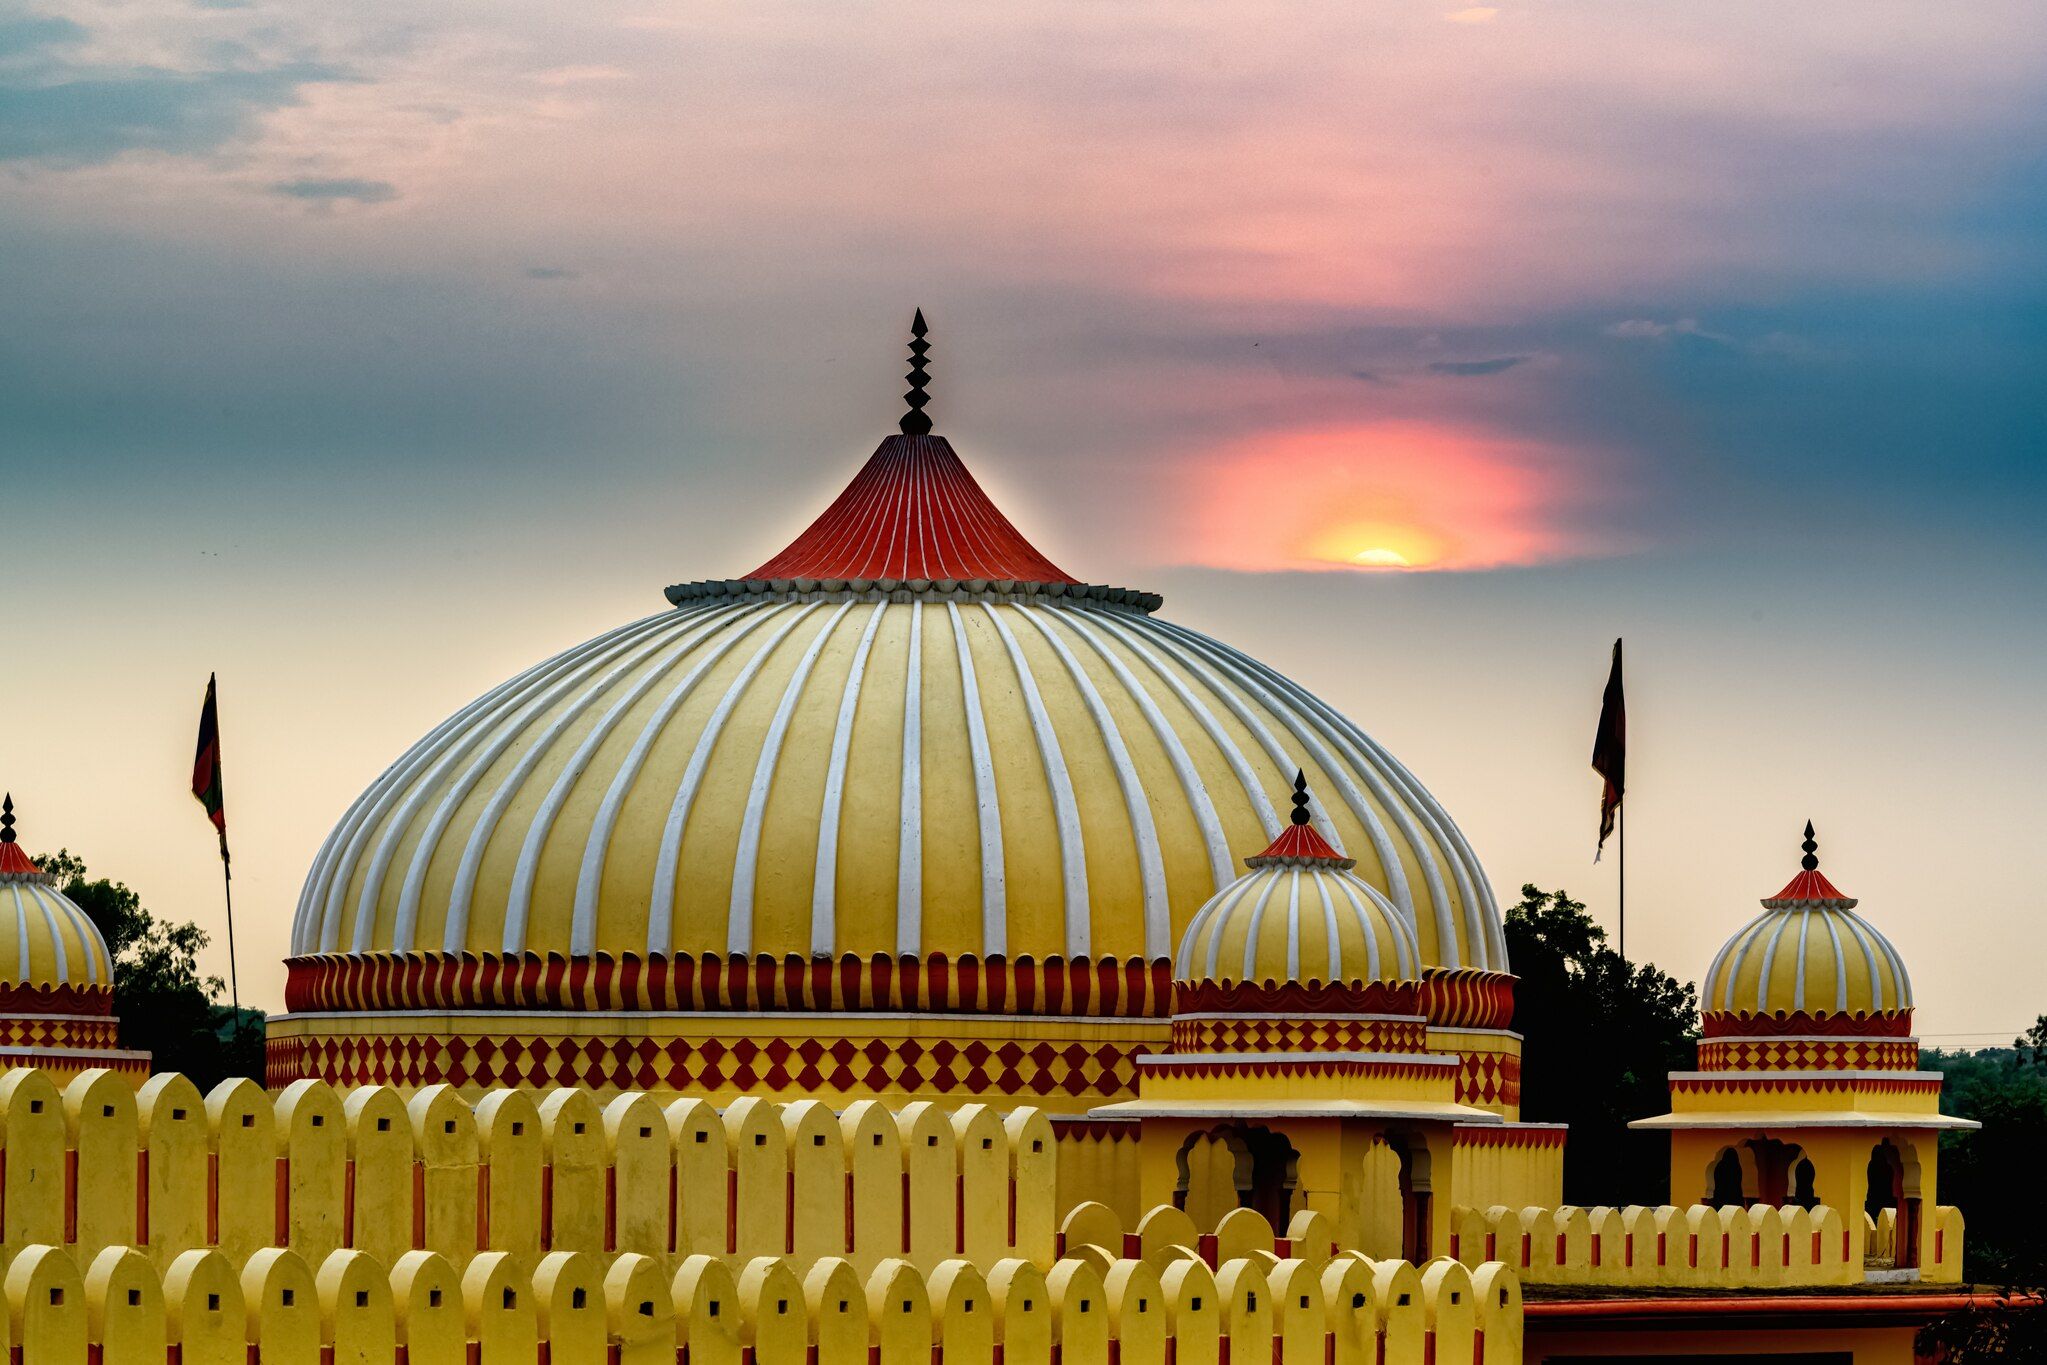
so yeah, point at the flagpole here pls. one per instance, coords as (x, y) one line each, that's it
(234, 985)
(1620, 859)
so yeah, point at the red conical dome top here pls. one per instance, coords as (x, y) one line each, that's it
(913, 511)
(1300, 842)
(913, 521)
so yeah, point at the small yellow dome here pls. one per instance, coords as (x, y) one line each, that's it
(1808, 953)
(46, 940)
(1299, 915)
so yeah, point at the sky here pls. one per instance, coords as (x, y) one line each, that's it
(369, 353)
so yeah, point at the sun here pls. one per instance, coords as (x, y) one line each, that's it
(1381, 557)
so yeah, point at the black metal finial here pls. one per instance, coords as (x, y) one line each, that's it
(1810, 862)
(1300, 815)
(7, 819)
(914, 422)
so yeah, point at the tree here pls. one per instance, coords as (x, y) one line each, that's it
(165, 1006)
(1599, 1037)
(1992, 1175)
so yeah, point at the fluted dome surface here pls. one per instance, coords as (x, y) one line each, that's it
(46, 940)
(826, 766)
(1808, 953)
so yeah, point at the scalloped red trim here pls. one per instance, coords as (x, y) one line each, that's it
(93, 1002)
(1467, 997)
(1742, 1024)
(1128, 988)
(1298, 997)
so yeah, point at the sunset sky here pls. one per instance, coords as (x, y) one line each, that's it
(367, 353)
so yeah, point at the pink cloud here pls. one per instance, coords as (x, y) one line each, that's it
(1400, 494)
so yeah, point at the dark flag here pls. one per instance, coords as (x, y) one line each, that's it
(206, 768)
(1610, 750)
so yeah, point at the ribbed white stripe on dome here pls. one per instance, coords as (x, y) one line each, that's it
(1065, 807)
(1481, 913)
(746, 860)
(1262, 682)
(1333, 947)
(492, 733)
(1253, 678)
(316, 926)
(1293, 928)
(60, 952)
(824, 882)
(1841, 969)
(509, 788)
(519, 903)
(1254, 790)
(1268, 879)
(661, 900)
(910, 807)
(1194, 938)
(23, 969)
(597, 845)
(987, 805)
(1158, 910)
(1191, 784)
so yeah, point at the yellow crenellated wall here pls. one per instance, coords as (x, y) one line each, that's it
(1733, 1247)
(628, 1309)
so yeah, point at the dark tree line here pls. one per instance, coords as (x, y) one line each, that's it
(166, 1006)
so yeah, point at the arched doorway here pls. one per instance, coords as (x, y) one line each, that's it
(1238, 1166)
(1416, 1192)
(1894, 1185)
(1803, 1177)
(1725, 1186)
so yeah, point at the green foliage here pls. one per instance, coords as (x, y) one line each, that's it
(1600, 1035)
(164, 1004)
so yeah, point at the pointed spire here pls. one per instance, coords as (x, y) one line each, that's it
(915, 422)
(1299, 843)
(1810, 888)
(14, 864)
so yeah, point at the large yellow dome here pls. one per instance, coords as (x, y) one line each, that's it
(907, 768)
(818, 771)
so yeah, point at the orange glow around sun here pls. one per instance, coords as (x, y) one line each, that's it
(1388, 497)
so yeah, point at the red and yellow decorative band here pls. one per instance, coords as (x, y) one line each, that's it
(1741, 1024)
(1465, 997)
(1075, 1128)
(73, 1031)
(94, 1001)
(1298, 997)
(1489, 1079)
(1075, 987)
(1319, 1067)
(1511, 1135)
(1038, 1071)
(1808, 1054)
(1739, 1083)
(1333, 1033)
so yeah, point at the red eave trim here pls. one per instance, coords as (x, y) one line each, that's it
(1810, 886)
(1786, 1308)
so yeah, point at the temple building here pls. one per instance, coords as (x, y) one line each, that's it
(909, 952)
